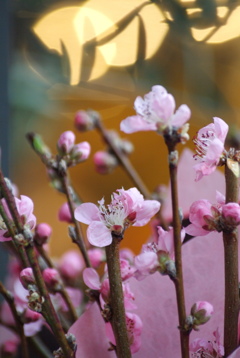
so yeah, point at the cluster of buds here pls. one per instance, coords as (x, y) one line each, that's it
(69, 151)
(205, 217)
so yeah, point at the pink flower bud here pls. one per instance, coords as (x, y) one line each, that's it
(231, 213)
(202, 312)
(71, 265)
(31, 316)
(26, 277)
(66, 142)
(96, 256)
(9, 348)
(104, 162)
(42, 233)
(52, 278)
(64, 214)
(80, 152)
(84, 121)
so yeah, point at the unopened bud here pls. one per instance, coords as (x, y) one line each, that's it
(84, 121)
(64, 213)
(26, 277)
(231, 214)
(104, 162)
(52, 279)
(202, 312)
(66, 142)
(42, 233)
(80, 152)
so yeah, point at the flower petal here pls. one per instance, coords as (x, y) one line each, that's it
(98, 234)
(135, 124)
(91, 278)
(148, 209)
(86, 213)
(181, 116)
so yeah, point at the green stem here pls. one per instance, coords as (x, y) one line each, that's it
(118, 319)
(10, 300)
(230, 240)
(179, 287)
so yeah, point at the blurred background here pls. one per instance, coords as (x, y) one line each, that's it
(60, 56)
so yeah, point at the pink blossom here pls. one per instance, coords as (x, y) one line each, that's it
(206, 348)
(155, 112)
(71, 265)
(25, 209)
(127, 270)
(201, 210)
(134, 330)
(92, 280)
(210, 147)
(64, 214)
(156, 255)
(104, 162)
(127, 208)
(66, 142)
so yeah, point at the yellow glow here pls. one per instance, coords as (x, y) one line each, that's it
(76, 26)
(225, 32)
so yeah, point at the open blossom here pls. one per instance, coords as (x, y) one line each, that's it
(25, 209)
(127, 208)
(210, 147)
(157, 255)
(155, 112)
(206, 348)
(134, 330)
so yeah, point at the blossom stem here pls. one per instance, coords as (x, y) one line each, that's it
(78, 237)
(123, 160)
(184, 334)
(51, 315)
(118, 320)
(18, 249)
(62, 290)
(10, 300)
(230, 240)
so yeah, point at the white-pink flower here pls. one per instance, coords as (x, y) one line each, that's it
(206, 348)
(155, 255)
(127, 208)
(25, 209)
(209, 147)
(155, 112)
